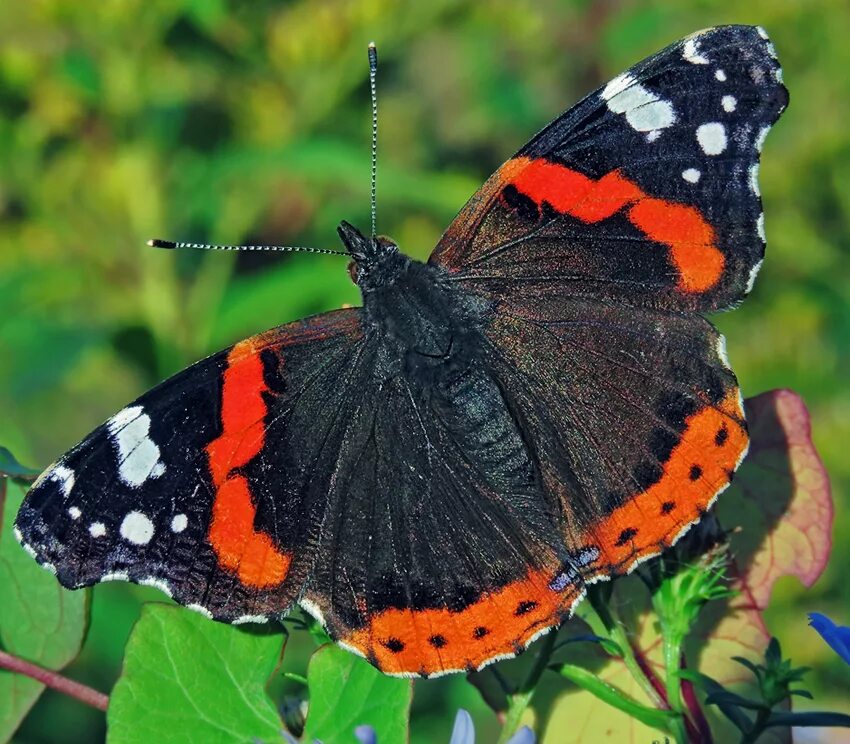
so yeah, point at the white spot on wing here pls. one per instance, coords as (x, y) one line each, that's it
(617, 85)
(29, 549)
(179, 522)
(754, 179)
(64, 476)
(97, 529)
(712, 137)
(160, 584)
(312, 609)
(644, 111)
(74, 512)
(138, 455)
(762, 32)
(721, 351)
(115, 576)
(137, 528)
(691, 175)
(760, 227)
(761, 137)
(690, 51)
(729, 103)
(720, 75)
(250, 619)
(653, 135)
(201, 609)
(751, 280)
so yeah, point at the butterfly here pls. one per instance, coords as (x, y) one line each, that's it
(436, 476)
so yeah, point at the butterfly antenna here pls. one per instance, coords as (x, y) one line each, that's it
(172, 244)
(373, 71)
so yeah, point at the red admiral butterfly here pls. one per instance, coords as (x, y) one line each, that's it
(437, 475)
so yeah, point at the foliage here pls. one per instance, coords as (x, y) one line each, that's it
(249, 122)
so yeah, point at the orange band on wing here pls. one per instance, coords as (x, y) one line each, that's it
(680, 227)
(430, 641)
(238, 546)
(700, 466)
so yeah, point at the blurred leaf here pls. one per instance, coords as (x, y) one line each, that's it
(39, 620)
(346, 692)
(186, 678)
(11, 468)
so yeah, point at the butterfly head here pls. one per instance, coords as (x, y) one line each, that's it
(375, 258)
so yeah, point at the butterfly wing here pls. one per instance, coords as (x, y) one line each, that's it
(205, 486)
(646, 192)
(441, 552)
(634, 414)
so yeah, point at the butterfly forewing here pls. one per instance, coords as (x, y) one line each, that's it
(209, 486)
(646, 192)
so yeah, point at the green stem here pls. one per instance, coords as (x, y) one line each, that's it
(518, 702)
(659, 719)
(606, 624)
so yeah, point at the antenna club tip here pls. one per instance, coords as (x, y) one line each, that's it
(372, 45)
(157, 243)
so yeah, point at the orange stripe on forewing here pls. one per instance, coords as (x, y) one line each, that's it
(430, 641)
(659, 514)
(238, 546)
(680, 227)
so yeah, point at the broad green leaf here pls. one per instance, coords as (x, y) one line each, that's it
(39, 620)
(346, 692)
(187, 679)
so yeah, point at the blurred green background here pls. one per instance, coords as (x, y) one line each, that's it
(211, 120)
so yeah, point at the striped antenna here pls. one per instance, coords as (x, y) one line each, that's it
(172, 244)
(373, 71)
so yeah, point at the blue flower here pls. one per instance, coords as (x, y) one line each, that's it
(837, 636)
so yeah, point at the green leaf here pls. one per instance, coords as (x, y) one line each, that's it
(39, 620)
(188, 679)
(346, 691)
(11, 468)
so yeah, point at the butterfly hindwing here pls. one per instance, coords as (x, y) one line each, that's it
(188, 489)
(645, 192)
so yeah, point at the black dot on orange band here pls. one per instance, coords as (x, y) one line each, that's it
(667, 507)
(626, 535)
(437, 641)
(394, 645)
(524, 607)
(721, 436)
(480, 632)
(696, 472)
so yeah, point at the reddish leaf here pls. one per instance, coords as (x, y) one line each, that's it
(780, 512)
(780, 509)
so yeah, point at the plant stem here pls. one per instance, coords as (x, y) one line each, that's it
(616, 631)
(55, 681)
(520, 700)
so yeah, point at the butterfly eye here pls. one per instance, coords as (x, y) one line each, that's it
(353, 271)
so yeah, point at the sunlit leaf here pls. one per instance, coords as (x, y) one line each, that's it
(39, 620)
(346, 692)
(188, 679)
